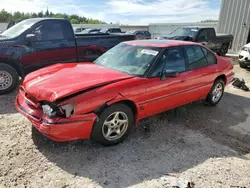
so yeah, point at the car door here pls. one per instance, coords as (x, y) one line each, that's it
(166, 94)
(201, 72)
(52, 42)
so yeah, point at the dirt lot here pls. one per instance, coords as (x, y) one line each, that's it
(206, 145)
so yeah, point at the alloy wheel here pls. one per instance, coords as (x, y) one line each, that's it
(115, 126)
(217, 92)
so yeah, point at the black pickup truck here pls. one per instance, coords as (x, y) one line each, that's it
(35, 43)
(219, 43)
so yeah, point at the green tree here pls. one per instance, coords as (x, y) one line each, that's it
(18, 16)
(74, 21)
(47, 13)
(208, 21)
(40, 14)
(34, 15)
(5, 16)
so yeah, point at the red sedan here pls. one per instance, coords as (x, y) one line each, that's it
(103, 100)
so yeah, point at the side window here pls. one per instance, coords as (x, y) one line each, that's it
(196, 57)
(203, 36)
(172, 59)
(210, 33)
(211, 58)
(48, 31)
(116, 30)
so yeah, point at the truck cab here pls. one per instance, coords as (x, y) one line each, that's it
(39, 42)
(219, 43)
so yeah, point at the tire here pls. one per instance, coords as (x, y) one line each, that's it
(211, 100)
(242, 65)
(105, 129)
(9, 79)
(223, 50)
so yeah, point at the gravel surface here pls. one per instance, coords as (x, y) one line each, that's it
(208, 146)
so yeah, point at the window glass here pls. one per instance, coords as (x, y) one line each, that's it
(196, 57)
(48, 31)
(172, 59)
(129, 59)
(203, 36)
(211, 59)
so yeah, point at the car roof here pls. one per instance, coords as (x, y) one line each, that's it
(160, 43)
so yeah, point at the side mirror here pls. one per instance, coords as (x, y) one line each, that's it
(30, 37)
(169, 73)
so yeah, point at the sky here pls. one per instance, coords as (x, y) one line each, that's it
(135, 12)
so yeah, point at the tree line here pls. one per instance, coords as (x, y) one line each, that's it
(6, 16)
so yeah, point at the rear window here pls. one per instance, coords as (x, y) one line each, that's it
(196, 57)
(211, 58)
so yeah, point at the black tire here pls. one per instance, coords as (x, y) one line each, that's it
(97, 134)
(242, 65)
(223, 50)
(210, 100)
(11, 74)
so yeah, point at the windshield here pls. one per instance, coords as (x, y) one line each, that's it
(129, 59)
(18, 29)
(191, 32)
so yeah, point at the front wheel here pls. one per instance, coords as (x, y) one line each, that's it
(242, 65)
(216, 93)
(8, 79)
(113, 124)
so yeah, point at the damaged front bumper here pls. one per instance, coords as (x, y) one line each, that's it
(58, 129)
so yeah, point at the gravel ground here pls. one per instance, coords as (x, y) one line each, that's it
(208, 146)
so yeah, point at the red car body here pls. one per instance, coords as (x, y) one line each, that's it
(91, 87)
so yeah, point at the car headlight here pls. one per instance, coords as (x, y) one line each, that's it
(52, 110)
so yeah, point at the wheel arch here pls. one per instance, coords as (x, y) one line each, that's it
(16, 65)
(131, 104)
(222, 77)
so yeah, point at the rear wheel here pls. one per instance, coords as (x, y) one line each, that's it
(8, 79)
(223, 50)
(216, 93)
(113, 125)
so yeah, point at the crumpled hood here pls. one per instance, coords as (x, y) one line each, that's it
(61, 80)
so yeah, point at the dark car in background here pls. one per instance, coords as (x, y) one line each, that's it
(111, 30)
(89, 31)
(38, 42)
(140, 34)
(78, 29)
(219, 43)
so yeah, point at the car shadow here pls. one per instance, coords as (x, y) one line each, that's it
(170, 142)
(7, 103)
